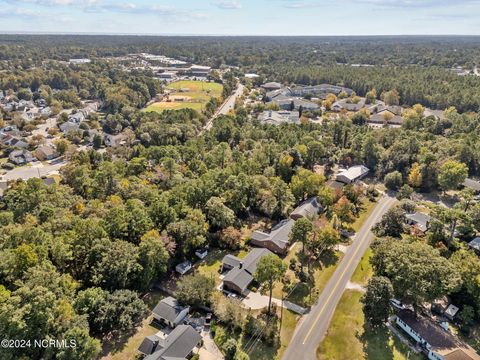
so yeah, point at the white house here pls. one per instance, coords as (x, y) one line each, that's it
(436, 342)
(352, 174)
(168, 310)
(183, 267)
(201, 253)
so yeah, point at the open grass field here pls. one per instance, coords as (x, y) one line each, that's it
(188, 94)
(347, 337)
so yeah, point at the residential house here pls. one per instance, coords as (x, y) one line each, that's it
(170, 312)
(29, 115)
(46, 112)
(76, 118)
(240, 276)
(69, 127)
(23, 104)
(419, 221)
(309, 209)
(352, 174)
(21, 157)
(9, 140)
(271, 86)
(472, 184)
(335, 185)
(475, 244)
(178, 345)
(115, 140)
(9, 129)
(277, 240)
(201, 253)
(46, 152)
(183, 267)
(279, 117)
(436, 342)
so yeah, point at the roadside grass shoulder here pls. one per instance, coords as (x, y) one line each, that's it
(347, 336)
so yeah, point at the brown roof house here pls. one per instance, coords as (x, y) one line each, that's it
(277, 240)
(46, 153)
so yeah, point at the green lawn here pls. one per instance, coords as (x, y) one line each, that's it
(197, 96)
(303, 294)
(348, 339)
(364, 270)
(367, 208)
(263, 352)
(211, 264)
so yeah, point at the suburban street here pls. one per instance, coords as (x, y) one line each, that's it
(313, 326)
(228, 105)
(35, 170)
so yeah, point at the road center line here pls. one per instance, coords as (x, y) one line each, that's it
(339, 280)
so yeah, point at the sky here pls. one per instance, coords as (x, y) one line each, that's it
(242, 17)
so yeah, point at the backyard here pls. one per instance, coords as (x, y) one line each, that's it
(187, 94)
(125, 347)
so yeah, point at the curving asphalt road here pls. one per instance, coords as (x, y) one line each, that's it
(313, 326)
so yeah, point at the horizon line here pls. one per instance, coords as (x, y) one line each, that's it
(7, 32)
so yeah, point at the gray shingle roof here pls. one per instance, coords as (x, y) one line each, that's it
(242, 275)
(475, 243)
(472, 184)
(308, 208)
(231, 260)
(178, 344)
(168, 309)
(278, 235)
(420, 219)
(149, 344)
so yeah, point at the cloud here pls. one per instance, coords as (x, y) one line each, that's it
(57, 2)
(22, 13)
(416, 3)
(228, 5)
(301, 5)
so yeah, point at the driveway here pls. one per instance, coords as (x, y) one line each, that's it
(255, 301)
(209, 350)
